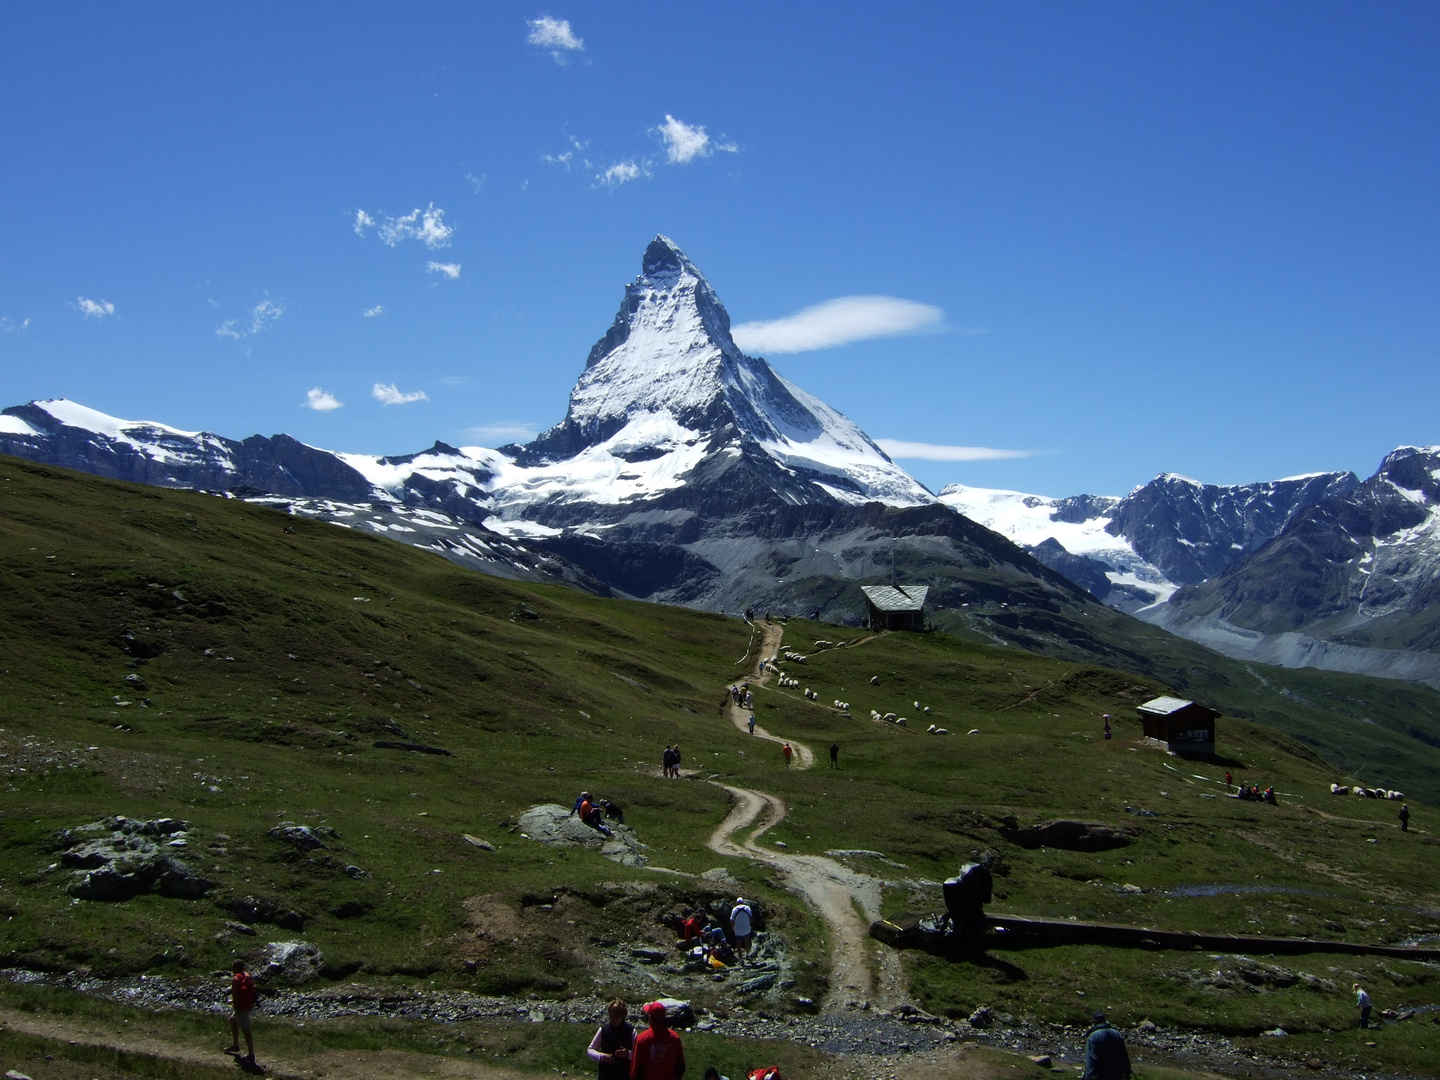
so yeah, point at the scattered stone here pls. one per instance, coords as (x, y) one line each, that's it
(1042, 1060)
(353, 871)
(1066, 835)
(722, 877)
(302, 836)
(241, 928)
(982, 1017)
(1146, 1027)
(15, 1074)
(650, 956)
(475, 841)
(1276, 1033)
(293, 962)
(765, 982)
(128, 860)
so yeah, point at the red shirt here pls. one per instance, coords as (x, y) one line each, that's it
(658, 1055)
(242, 992)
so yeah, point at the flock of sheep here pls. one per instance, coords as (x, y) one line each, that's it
(1367, 792)
(793, 657)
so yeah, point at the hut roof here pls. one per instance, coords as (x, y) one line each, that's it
(1165, 706)
(896, 597)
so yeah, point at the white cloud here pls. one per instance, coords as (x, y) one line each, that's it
(92, 309)
(919, 451)
(684, 143)
(262, 316)
(10, 326)
(555, 35)
(477, 183)
(622, 173)
(322, 401)
(450, 270)
(427, 226)
(559, 159)
(837, 322)
(392, 395)
(502, 432)
(370, 313)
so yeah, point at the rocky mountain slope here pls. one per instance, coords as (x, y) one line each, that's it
(684, 471)
(1352, 583)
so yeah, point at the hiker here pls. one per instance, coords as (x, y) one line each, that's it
(613, 1043)
(579, 802)
(675, 761)
(740, 927)
(749, 702)
(1107, 725)
(1105, 1055)
(1229, 781)
(1362, 1002)
(785, 752)
(1404, 818)
(592, 815)
(834, 755)
(242, 1002)
(658, 1053)
(667, 760)
(613, 811)
(1269, 796)
(752, 723)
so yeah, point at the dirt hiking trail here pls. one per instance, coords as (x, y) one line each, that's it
(847, 900)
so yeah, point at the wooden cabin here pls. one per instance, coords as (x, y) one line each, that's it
(895, 607)
(1183, 726)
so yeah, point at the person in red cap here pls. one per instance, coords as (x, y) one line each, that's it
(658, 1054)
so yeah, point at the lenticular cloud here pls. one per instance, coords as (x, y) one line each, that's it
(837, 322)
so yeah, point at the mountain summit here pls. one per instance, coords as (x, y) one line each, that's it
(668, 386)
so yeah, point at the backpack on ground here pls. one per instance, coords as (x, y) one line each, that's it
(768, 1072)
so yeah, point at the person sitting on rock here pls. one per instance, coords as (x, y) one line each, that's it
(593, 816)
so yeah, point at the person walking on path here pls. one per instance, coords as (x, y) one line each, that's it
(752, 723)
(612, 1045)
(834, 755)
(658, 1054)
(785, 752)
(242, 1004)
(1105, 1055)
(740, 926)
(1362, 1002)
(1107, 725)
(1229, 781)
(1404, 818)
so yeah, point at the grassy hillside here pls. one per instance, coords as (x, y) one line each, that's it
(262, 657)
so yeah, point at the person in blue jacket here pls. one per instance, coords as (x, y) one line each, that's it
(1105, 1055)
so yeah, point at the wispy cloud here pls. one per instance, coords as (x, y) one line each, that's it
(686, 142)
(477, 183)
(10, 326)
(94, 309)
(502, 432)
(428, 226)
(450, 270)
(622, 173)
(555, 35)
(575, 155)
(919, 451)
(393, 395)
(838, 322)
(262, 316)
(373, 312)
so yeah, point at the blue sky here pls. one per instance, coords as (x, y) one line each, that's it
(1129, 238)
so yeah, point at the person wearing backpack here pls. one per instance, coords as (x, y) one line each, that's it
(242, 1002)
(613, 1043)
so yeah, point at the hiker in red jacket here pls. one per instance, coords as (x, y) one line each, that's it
(242, 1001)
(658, 1053)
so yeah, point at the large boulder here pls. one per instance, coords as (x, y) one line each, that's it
(550, 823)
(1067, 835)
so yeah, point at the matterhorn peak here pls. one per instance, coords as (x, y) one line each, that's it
(668, 374)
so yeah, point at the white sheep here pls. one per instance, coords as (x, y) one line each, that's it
(892, 717)
(874, 680)
(1339, 789)
(942, 731)
(914, 704)
(901, 722)
(1397, 796)
(930, 730)
(927, 710)
(973, 731)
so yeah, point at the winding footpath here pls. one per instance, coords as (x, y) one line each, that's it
(848, 901)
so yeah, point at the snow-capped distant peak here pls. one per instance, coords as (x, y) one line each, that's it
(73, 414)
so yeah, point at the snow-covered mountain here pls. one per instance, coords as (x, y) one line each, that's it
(1136, 551)
(684, 471)
(1352, 583)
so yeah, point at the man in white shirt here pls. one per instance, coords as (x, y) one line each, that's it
(1362, 1002)
(740, 926)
